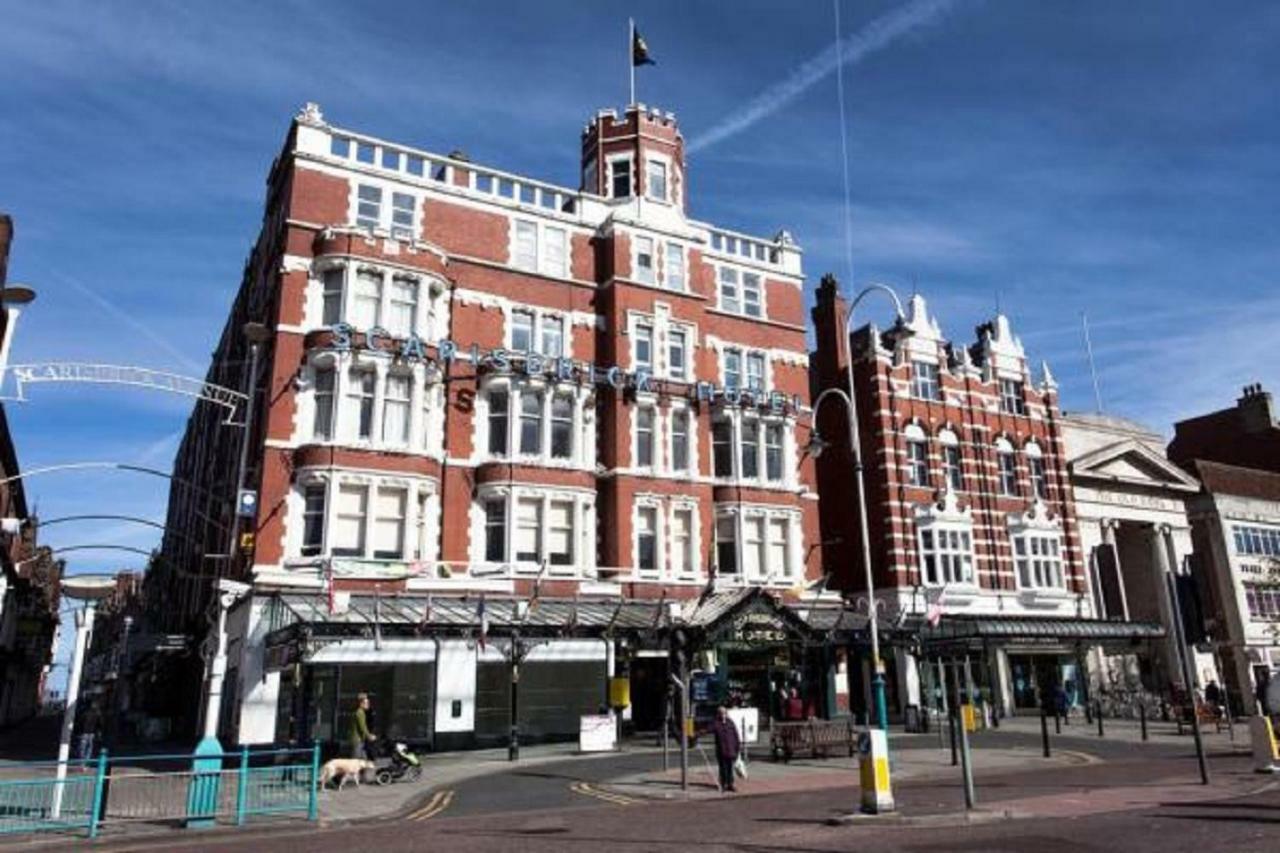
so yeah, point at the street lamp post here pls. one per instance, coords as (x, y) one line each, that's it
(855, 447)
(10, 298)
(89, 589)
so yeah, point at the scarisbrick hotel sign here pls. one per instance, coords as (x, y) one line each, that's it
(347, 338)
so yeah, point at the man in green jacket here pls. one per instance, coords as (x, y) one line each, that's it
(358, 734)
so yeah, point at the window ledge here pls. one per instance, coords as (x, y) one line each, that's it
(1044, 598)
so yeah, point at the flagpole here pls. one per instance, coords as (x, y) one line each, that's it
(631, 59)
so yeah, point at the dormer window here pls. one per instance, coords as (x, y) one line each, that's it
(620, 178)
(655, 179)
(1012, 399)
(924, 381)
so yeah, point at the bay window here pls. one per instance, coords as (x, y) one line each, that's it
(313, 510)
(946, 554)
(753, 556)
(528, 533)
(530, 422)
(499, 419)
(322, 425)
(347, 539)
(389, 523)
(366, 306)
(402, 307)
(1039, 560)
(363, 383)
(560, 532)
(495, 530)
(779, 546)
(395, 409)
(727, 545)
(332, 282)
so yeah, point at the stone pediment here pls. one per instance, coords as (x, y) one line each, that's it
(1131, 462)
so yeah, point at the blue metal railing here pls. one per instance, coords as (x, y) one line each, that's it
(158, 789)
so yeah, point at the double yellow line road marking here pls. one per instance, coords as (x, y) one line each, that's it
(608, 796)
(439, 801)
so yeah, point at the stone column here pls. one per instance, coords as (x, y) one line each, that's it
(1109, 538)
(1163, 570)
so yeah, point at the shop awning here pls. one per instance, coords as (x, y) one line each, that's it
(1031, 629)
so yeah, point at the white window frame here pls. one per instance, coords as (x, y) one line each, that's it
(582, 432)
(1038, 560)
(345, 274)
(952, 474)
(675, 275)
(926, 380)
(644, 274)
(650, 162)
(1036, 471)
(384, 217)
(1013, 395)
(612, 173)
(735, 295)
(950, 545)
(549, 252)
(1008, 483)
(916, 453)
(541, 320)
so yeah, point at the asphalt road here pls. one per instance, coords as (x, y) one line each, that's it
(558, 808)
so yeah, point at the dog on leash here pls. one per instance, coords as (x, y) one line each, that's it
(343, 769)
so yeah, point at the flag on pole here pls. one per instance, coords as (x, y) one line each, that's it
(482, 617)
(639, 50)
(377, 617)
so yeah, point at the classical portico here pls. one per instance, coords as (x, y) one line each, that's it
(1132, 506)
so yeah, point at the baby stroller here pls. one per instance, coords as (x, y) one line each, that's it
(394, 762)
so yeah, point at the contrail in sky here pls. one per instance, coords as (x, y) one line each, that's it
(853, 49)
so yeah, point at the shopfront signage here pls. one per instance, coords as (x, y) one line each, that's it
(758, 628)
(412, 349)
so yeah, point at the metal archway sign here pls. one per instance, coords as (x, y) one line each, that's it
(119, 374)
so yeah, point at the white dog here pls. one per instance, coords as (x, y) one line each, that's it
(343, 769)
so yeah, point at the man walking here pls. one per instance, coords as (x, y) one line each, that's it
(728, 746)
(358, 734)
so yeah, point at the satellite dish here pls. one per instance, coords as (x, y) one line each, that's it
(88, 587)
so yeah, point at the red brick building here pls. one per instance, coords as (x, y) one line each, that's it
(483, 387)
(970, 508)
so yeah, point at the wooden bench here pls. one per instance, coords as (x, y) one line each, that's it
(816, 737)
(1205, 714)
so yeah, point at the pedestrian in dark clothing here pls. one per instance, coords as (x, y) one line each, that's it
(795, 706)
(728, 745)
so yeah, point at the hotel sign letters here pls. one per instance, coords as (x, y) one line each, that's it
(412, 349)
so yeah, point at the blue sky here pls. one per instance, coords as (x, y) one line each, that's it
(1119, 159)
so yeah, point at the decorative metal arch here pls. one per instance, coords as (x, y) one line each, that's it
(119, 374)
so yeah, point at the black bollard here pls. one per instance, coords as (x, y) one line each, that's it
(1142, 718)
(1099, 715)
(1057, 723)
(955, 756)
(1044, 732)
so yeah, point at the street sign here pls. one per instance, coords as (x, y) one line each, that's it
(246, 541)
(247, 503)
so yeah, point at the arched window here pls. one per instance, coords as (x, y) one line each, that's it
(1035, 465)
(952, 461)
(917, 455)
(1007, 461)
